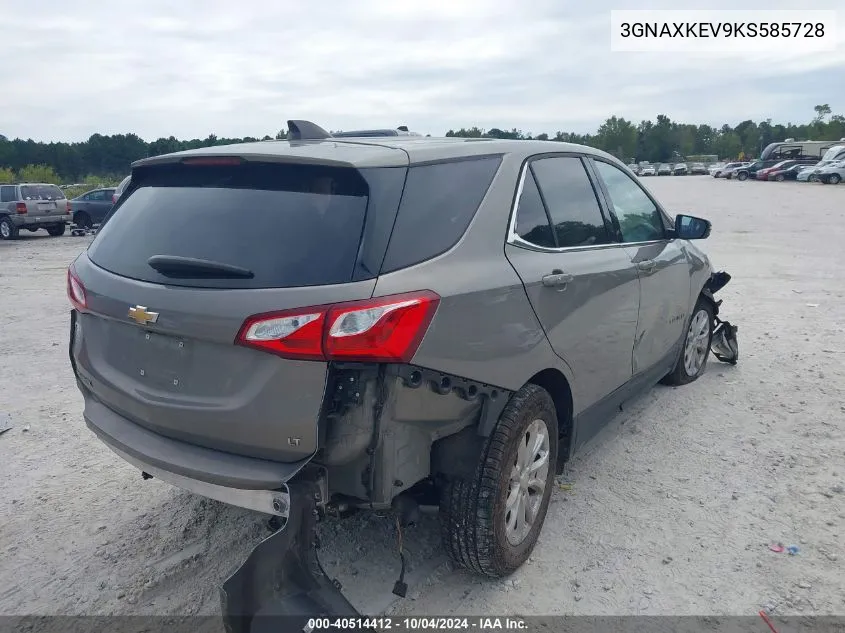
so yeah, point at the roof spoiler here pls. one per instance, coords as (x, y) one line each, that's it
(307, 131)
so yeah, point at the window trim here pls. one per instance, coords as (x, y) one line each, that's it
(513, 237)
(667, 235)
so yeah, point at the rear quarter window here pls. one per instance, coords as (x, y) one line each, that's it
(438, 203)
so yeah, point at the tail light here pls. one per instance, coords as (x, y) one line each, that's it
(382, 329)
(20, 207)
(67, 208)
(114, 198)
(75, 290)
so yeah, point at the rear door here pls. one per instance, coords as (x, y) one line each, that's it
(44, 202)
(661, 263)
(157, 344)
(581, 283)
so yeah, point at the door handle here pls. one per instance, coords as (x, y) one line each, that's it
(646, 265)
(557, 278)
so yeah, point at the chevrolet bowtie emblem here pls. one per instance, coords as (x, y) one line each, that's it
(140, 315)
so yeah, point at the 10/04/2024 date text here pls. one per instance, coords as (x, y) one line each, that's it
(421, 623)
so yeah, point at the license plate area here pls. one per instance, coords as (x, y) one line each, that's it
(163, 360)
(47, 206)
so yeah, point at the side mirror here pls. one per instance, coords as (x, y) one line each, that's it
(689, 227)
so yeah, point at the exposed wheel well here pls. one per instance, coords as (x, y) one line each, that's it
(457, 455)
(553, 381)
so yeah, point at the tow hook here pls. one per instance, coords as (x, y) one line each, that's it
(281, 586)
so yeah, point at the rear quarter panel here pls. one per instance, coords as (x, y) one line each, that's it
(484, 328)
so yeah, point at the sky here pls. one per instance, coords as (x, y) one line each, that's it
(196, 67)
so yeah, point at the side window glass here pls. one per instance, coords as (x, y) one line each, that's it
(438, 204)
(7, 194)
(532, 223)
(639, 219)
(571, 200)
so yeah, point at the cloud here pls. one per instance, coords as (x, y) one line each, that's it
(197, 67)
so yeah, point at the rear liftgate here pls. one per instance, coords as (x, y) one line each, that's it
(282, 586)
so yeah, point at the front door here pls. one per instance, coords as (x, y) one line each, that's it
(660, 262)
(582, 285)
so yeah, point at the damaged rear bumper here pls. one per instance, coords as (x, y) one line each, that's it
(282, 586)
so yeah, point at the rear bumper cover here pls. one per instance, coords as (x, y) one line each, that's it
(26, 220)
(182, 459)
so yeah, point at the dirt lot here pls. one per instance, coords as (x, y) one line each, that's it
(671, 509)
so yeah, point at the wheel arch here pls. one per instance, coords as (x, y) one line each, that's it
(553, 381)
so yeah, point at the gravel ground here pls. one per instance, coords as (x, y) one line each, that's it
(671, 510)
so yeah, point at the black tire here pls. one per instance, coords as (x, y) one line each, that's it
(82, 220)
(680, 374)
(56, 230)
(8, 231)
(780, 178)
(473, 513)
(834, 179)
(742, 176)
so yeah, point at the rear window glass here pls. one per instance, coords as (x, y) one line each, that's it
(438, 203)
(276, 225)
(41, 192)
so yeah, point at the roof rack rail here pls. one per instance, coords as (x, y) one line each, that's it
(402, 130)
(299, 130)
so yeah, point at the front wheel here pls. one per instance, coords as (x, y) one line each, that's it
(692, 360)
(834, 179)
(491, 523)
(742, 176)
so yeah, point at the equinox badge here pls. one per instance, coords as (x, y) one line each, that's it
(140, 315)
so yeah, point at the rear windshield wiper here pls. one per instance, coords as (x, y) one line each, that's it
(190, 267)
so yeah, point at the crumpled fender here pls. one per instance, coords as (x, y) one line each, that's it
(724, 344)
(281, 585)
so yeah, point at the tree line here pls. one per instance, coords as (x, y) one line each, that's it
(107, 159)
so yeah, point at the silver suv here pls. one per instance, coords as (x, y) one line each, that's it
(319, 324)
(32, 206)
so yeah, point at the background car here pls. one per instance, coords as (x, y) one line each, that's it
(832, 174)
(634, 168)
(750, 170)
(786, 173)
(680, 169)
(809, 173)
(32, 206)
(648, 170)
(715, 168)
(90, 208)
(763, 174)
(664, 170)
(697, 169)
(728, 169)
